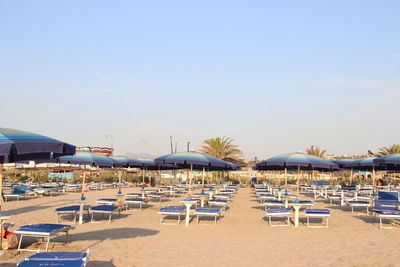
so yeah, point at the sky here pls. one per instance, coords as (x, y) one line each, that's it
(276, 76)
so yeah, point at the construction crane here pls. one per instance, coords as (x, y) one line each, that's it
(150, 146)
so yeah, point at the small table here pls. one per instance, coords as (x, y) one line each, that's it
(188, 205)
(297, 207)
(82, 204)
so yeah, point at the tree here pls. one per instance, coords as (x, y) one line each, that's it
(316, 151)
(221, 148)
(393, 149)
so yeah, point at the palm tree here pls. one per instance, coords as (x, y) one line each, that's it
(393, 149)
(221, 148)
(316, 151)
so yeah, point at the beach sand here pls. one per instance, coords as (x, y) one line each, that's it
(242, 237)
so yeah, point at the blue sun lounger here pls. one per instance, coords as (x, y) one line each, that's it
(273, 203)
(42, 230)
(318, 213)
(219, 203)
(74, 210)
(280, 212)
(104, 209)
(106, 201)
(208, 212)
(171, 211)
(59, 259)
(133, 201)
(359, 203)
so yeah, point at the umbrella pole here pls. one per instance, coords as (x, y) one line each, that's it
(351, 175)
(298, 179)
(143, 171)
(286, 179)
(373, 179)
(190, 178)
(83, 180)
(203, 174)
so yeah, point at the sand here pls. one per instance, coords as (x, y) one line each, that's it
(241, 237)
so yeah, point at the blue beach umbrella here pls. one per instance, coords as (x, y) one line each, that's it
(16, 145)
(391, 161)
(88, 158)
(299, 161)
(193, 160)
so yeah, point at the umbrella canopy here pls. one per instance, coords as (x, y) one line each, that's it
(16, 145)
(342, 163)
(88, 158)
(126, 162)
(391, 161)
(191, 158)
(296, 160)
(364, 164)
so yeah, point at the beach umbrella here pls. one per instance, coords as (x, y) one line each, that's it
(88, 158)
(296, 161)
(193, 160)
(366, 164)
(391, 161)
(16, 145)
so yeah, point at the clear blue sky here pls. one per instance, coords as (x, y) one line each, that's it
(277, 76)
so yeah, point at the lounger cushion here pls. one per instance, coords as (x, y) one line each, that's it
(43, 227)
(108, 199)
(173, 209)
(318, 211)
(45, 263)
(358, 202)
(58, 255)
(72, 208)
(136, 199)
(109, 208)
(208, 210)
(388, 212)
(277, 211)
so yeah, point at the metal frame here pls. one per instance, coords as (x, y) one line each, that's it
(41, 235)
(318, 215)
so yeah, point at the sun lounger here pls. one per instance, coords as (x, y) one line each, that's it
(74, 210)
(219, 203)
(305, 203)
(273, 203)
(106, 201)
(280, 212)
(318, 213)
(387, 214)
(42, 231)
(208, 212)
(157, 196)
(59, 259)
(222, 196)
(358, 203)
(133, 201)
(172, 211)
(104, 209)
(17, 193)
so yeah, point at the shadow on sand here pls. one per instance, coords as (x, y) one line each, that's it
(113, 234)
(34, 207)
